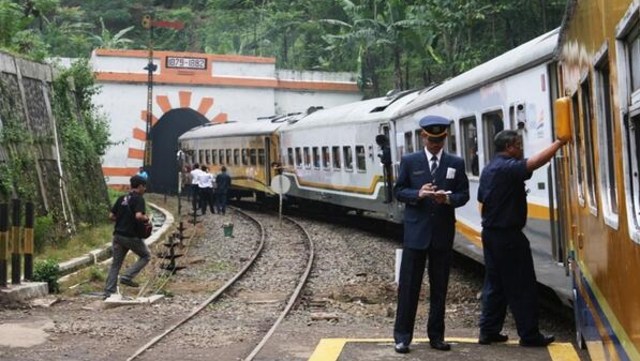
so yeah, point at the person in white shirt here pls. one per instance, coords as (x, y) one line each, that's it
(195, 189)
(205, 184)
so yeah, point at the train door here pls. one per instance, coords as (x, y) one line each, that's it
(267, 161)
(382, 139)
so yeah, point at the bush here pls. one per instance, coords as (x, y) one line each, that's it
(47, 271)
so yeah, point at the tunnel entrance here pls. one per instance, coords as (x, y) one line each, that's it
(164, 168)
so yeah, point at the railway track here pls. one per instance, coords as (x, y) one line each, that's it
(252, 288)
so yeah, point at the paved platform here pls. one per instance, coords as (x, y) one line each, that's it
(463, 349)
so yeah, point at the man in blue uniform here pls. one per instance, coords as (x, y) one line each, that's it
(510, 277)
(432, 184)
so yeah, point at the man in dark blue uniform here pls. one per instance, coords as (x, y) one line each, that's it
(510, 277)
(432, 184)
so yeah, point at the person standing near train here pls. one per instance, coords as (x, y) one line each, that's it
(223, 182)
(431, 183)
(509, 271)
(195, 189)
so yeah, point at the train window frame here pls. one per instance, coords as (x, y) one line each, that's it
(605, 132)
(261, 156)
(630, 112)
(207, 156)
(418, 139)
(298, 157)
(315, 157)
(221, 156)
(361, 159)
(489, 131)
(306, 156)
(450, 144)
(408, 141)
(469, 158)
(252, 157)
(201, 156)
(244, 156)
(326, 158)
(228, 156)
(214, 156)
(290, 159)
(586, 105)
(335, 156)
(236, 156)
(577, 146)
(347, 153)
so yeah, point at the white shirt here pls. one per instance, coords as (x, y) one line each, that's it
(195, 174)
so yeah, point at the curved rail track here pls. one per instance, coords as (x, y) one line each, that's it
(273, 256)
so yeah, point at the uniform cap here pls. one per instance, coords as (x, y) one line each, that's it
(434, 125)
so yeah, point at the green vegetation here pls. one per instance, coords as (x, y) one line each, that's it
(47, 271)
(390, 43)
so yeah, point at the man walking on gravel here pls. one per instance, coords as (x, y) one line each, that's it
(128, 212)
(431, 183)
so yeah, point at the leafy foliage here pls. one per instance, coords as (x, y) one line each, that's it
(390, 43)
(47, 271)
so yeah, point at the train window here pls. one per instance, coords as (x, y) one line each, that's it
(469, 139)
(261, 160)
(326, 158)
(492, 124)
(408, 142)
(335, 153)
(307, 157)
(201, 156)
(214, 156)
(221, 156)
(245, 156)
(587, 121)
(290, 160)
(578, 147)
(252, 157)
(361, 157)
(228, 156)
(634, 63)
(609, 196)
(347, 151)
(298, 157)
(418, 137)
(451, 139)
(236, 156)
(207, 156)
(316, 157)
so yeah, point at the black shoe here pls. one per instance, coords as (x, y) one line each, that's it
(105, 296)
(128, 282)
(402, 348)
(440, 345)
(541, 341)
(489, 339)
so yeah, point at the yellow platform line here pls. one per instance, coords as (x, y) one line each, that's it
(329, 349)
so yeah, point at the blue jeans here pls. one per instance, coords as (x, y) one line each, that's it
(120, 246)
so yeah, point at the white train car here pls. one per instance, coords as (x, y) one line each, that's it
(513, 91)
(334, 156)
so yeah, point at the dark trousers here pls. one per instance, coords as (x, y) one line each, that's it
(195, 199)
(411, 275)
(510, 279)
(207, 199)
(221, 202)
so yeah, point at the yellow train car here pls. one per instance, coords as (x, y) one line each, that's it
(599, 58)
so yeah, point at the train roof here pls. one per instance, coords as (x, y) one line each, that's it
(525, 56)
(260, 126)
(356, 112)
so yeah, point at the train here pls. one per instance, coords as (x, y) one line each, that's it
(584, 207)
(599, 59)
